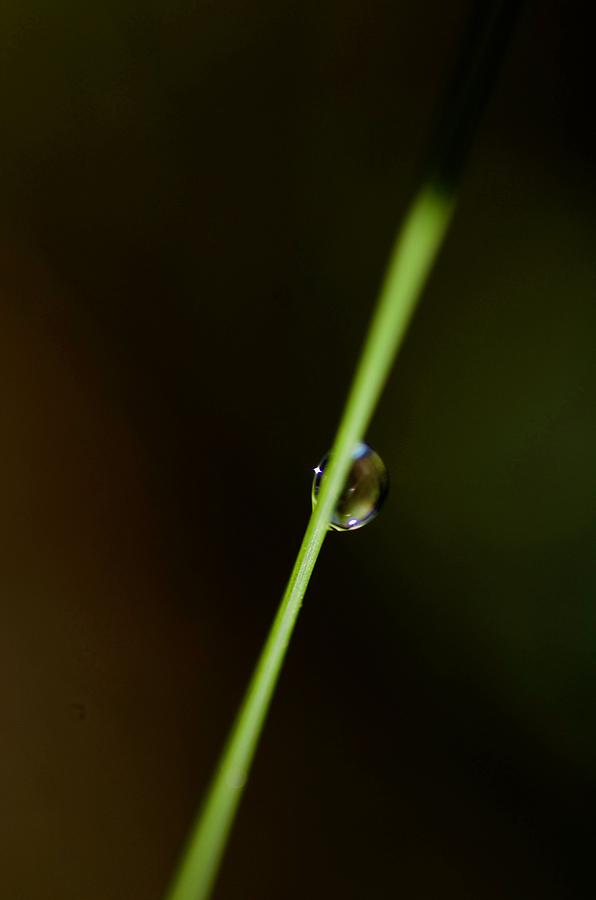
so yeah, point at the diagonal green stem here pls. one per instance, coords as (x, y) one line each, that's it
(414, 254)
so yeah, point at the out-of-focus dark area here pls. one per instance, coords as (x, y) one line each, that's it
(198, 200)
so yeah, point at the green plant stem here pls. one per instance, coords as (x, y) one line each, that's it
(415, 251)
(414, 254)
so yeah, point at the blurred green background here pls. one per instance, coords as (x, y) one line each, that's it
(198, 199)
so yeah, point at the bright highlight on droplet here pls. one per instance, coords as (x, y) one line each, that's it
(364, 493)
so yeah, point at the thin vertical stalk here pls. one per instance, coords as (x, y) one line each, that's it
(416, 249)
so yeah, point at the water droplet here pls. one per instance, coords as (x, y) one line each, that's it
(364, 492)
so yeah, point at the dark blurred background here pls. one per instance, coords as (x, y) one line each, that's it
(198, 200)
